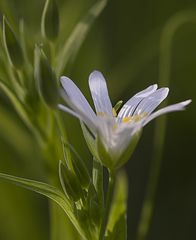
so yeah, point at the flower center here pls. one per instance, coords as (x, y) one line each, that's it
(134, 118)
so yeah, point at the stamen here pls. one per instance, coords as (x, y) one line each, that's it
(127, 119)
(134, 118)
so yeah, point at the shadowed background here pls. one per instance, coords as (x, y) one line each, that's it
(127, 43)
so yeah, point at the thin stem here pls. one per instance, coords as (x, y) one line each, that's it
(108, 206)
(167, 37)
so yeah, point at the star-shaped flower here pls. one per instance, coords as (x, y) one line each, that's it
(114, 135)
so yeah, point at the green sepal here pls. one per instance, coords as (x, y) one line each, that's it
(69, 182)
(106, 158)
(12, 45)
(90, 140)
(113, 163)
(79, 168)
(129, 150)
(50, 20)
(46, 79)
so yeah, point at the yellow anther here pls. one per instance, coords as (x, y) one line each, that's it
(134, 118)
(127, 119)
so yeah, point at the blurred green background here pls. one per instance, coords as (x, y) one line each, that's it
(127, 43)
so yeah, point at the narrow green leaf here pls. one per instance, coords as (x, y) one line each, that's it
(117, 220)
(77, 37)
(16, 103)
(50, 20)
(48, 191)
(12, 45)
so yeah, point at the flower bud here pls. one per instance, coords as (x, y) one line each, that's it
(50, 20)
(80, 168)
(46, 79)
(70, 183)
(12, 45)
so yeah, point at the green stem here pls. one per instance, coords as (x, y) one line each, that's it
(166, 42)
(108, 206)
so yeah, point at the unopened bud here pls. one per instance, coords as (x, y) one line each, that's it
(70, 183)
(80, 168)
(12, 45)
(46, 79)
(50, 20)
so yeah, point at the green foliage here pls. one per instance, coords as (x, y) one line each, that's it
(116, 46)
(117, 226)
(48, 191)
(79, 168)
(78, 35)
(50, 20)
(70, 183)
(46, 79)
(12, 45)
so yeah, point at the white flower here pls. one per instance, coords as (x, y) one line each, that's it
(113, 133)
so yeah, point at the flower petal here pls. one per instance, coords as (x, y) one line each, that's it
(99, 93)
(68, 110)
(129, 107)
(148, 104)
(172, 108)
(82, 117)
(75, 99)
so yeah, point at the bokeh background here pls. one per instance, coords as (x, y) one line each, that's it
(128, 43)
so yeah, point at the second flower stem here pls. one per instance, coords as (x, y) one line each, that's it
(107, 206)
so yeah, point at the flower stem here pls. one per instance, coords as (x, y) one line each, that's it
(170, 29)
(108, 206)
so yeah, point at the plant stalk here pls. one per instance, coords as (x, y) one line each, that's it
(108, 205)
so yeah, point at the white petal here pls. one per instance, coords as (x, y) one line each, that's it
(91, 125)
(68, 110)
(148, 104)
(75, 99)
(172, 108)
(116, 137)
(129, 107)
(99, 93)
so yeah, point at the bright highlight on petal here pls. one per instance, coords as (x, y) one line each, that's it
(114, 134)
